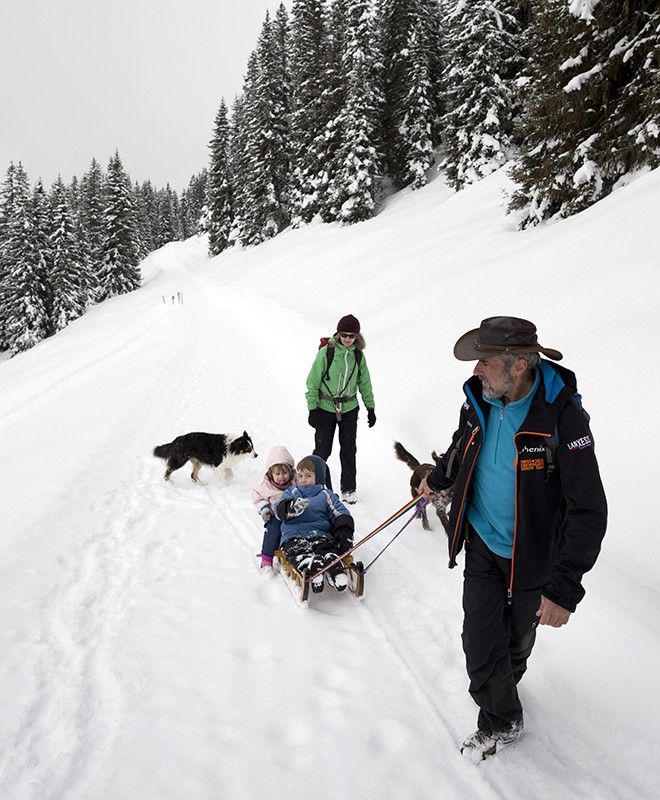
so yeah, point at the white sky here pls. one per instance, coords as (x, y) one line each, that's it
(81, 79)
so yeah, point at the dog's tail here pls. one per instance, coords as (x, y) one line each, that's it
(403, 455)
(163, 450)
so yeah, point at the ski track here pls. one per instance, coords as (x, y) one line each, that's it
(83, 688)
(84, 370)
(78, 696)
(181, 543)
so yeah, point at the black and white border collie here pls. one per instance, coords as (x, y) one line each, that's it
(218, 450)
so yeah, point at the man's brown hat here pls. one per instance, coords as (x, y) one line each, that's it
(499, 335)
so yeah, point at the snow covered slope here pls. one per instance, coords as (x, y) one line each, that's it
(143, 655)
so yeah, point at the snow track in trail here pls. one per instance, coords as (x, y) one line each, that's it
(89, 367)
(146, 656)
(78, 702)
(260, 648)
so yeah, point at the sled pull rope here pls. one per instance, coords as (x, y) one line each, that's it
(417, 501)
(420, 507)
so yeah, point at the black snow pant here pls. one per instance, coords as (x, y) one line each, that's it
(310, 555)
(498, 636)
(325, 433)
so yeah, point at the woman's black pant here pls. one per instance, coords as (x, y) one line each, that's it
(323, 437)
(498, 635)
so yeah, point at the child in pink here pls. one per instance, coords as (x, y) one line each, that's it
(280, 474)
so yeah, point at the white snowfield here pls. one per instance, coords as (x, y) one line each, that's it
(144, 656)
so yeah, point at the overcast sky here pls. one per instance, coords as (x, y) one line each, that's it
(81, 78)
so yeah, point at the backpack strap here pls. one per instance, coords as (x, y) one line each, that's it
(330, 354)
(551, 444)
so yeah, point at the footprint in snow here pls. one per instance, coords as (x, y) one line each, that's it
(390, 736)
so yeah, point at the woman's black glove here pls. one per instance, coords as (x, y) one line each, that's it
(371, 417)
(313, 418)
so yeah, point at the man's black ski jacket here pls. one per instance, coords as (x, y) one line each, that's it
(561, 510)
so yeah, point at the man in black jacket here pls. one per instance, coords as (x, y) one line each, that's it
(529, 506)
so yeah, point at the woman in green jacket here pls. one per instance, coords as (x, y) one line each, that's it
(338, 373)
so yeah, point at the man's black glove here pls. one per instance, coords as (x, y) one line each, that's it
(371, 417)
(313, 418)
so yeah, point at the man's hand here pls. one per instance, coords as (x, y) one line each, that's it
(424, 489)
(550, 613)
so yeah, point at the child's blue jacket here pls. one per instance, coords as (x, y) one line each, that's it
(324, 510)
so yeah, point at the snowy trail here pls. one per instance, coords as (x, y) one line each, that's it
(149, 569)
(147, 657)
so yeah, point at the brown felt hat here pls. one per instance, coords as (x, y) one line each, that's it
(498, 335)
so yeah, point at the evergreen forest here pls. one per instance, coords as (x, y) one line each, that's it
(343, 103)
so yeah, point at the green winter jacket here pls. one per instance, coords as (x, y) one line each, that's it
(343, 381)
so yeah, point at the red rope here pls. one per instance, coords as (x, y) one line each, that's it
(417, 500)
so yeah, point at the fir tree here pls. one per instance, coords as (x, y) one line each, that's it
(416, 129)
(246, 173)
(262, 202)
(219, 187)
(484, 42)
(72, 284)
(168, 226)
(41, 219)
(146, 215)
(74, 196)
(119, 269)
(7, 198)
(592, 104)
(332, 103)
(411, 36)
(6, 194)
(308, 122)
(193, 206)
(358, 161)
(25, 314)
(276, 65)
(240, 168)
(91, 214)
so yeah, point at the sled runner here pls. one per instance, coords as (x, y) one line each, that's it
(299, 585)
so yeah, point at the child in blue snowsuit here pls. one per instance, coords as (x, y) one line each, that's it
(316, 526)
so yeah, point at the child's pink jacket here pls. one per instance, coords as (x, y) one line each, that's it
(268, 493)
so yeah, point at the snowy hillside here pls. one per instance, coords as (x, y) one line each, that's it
(145, 657)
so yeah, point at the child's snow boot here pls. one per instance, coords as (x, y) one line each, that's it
(336, 577)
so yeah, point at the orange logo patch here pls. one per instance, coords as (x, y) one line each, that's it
(532, 463)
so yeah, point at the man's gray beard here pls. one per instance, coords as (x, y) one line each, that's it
(492, 394)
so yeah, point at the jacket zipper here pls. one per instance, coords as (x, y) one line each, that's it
(509, 592)
(459, 516)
